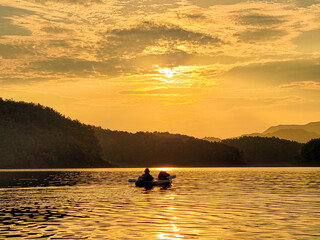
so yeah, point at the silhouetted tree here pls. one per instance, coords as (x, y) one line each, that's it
(164, 149)
(33, 136)
(310, 152)
(266, 151)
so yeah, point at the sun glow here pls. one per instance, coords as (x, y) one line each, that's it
(162, 169)
(167, 72)
(169, 236)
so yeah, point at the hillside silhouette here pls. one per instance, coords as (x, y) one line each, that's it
(310, 153)
(266, 151)
(33, 136)
(212, 139)
(164, 149)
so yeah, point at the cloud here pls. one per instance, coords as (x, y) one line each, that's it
(308, 42)
(256, 19)
(7, 28)
(260, 35)
(58, 43)
(166, 91)
(306, 85)
(306, 3)
(11, 51)
(227, 103)
(56, 29)
(80, 2)
(182, 58)
(111, 43)
(129, 42)
(107, 55)
(192, 16)
(7, 80)
(73, 67)
(274, 73)
(209, 3)
(6, 11)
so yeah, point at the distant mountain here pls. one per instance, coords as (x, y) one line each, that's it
(266, 151)
(299, 133)
(211, 139)
(310, 127)
(253, 135)
(156, 149)
(33, 136)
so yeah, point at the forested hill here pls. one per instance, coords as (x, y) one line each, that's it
(33, 136)
(164, 149)
(266, 151)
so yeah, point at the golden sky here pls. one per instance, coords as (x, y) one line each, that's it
(200, 67)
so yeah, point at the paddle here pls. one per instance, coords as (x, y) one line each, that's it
(134, 180)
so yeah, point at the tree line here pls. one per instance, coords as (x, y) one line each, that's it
(164, 149)
(273, 151)
(34, 136)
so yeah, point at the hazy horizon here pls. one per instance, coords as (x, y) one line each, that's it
(202, 68)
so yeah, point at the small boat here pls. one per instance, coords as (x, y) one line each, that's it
(143, 183)
(149, 184)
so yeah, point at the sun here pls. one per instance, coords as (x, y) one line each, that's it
(167, 72)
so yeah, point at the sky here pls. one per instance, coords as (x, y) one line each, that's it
(217, 68)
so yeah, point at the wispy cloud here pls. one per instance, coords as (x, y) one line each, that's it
(226, 56)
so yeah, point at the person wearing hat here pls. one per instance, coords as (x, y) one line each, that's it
(146, 176)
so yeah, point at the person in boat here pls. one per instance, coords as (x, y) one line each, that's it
(163, 175)
(147, 176)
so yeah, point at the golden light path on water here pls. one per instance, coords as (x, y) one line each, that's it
(202, 203)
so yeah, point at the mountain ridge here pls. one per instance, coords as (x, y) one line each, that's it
(34, 136)
(293, 132)
(310, 127)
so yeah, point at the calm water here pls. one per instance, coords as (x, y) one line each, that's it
(202, 203)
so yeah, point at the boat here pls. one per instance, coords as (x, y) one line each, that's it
(143, 183)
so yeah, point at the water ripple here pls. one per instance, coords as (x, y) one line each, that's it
(213, 203)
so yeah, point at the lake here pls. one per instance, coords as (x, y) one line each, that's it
(202, 203)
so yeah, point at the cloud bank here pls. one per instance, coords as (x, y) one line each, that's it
(222, 55)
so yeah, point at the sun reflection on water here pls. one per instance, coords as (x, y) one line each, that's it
(169, 236)
(171, 230)
(162, 169)
(170, 170)
(201, 204)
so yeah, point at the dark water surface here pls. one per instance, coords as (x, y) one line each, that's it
(202, 203)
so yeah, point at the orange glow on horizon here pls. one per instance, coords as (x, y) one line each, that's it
(162, 169)
(172, 74)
